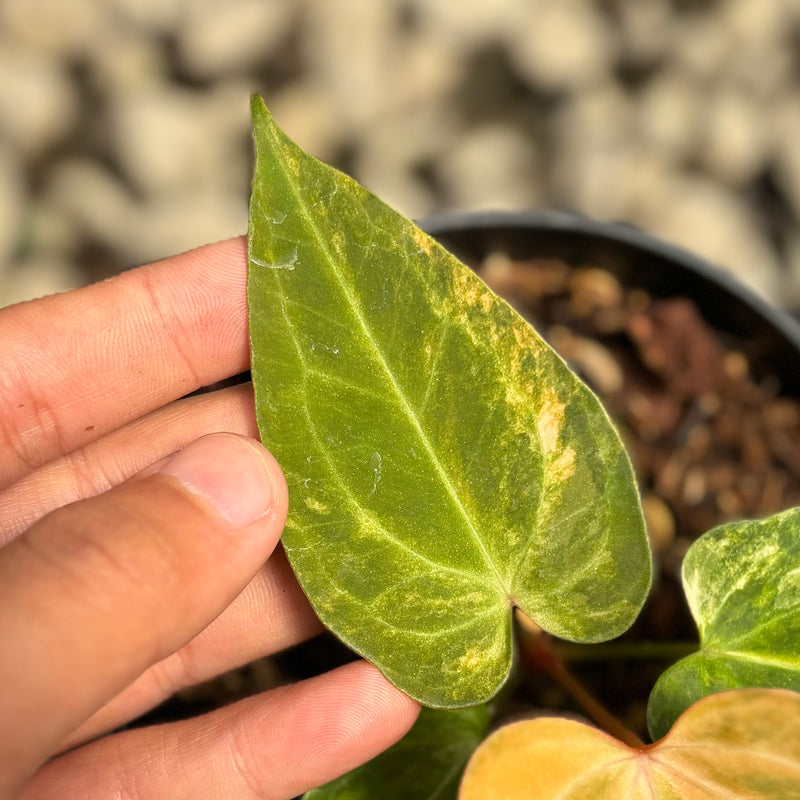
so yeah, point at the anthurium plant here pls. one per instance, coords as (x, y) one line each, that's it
(458, 496)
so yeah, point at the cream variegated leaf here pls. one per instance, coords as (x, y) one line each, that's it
(443, 463)
(742, 581)
(729, 746)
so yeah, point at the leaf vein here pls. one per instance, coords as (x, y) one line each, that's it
(336, 473)
(412, 417)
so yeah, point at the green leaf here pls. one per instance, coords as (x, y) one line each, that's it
(740, 744)
(742, 581)
(426, 764)
(443, 463)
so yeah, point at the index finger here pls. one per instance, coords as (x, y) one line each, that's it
(78, 365)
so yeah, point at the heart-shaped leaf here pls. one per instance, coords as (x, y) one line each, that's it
(426, 764)
(443, 463)
(742, 581)
(737, 744)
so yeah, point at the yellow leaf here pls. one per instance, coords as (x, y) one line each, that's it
(739, 744)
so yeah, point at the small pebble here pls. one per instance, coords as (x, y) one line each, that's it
(660, 522)
(592, 290)
(596, 364)
(694, 486)
(736, 366)
(566, 44)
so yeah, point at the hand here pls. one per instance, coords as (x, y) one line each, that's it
(127, 572)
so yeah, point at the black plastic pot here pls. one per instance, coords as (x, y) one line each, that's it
(636, 259)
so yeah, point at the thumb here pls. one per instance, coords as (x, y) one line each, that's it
(101, 589)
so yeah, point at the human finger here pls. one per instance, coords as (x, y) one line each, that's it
(271, 614)
(123, 453)
(78, 365)
(101, 589)
(270, 747)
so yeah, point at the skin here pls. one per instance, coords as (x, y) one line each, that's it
(138, 535)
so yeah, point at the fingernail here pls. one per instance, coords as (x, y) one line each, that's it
(231, 473)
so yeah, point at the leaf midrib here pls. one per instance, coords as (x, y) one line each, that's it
(395, 386)
(744, 750)
(474, 576)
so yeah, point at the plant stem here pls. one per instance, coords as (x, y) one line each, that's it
(593, 708)
(537, 651)
(638, 651)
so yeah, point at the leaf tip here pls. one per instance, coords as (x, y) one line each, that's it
(258, 108)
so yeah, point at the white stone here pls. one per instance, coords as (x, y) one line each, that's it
(748, 43)
(701, 46)
(768, 73)
(763, 60)
(785, 124)
(410, 139)
(593, 152)
(53, 26)
(38, 103)
(400, 189)
(425, 73)
(178, 221)
(221, 38)
(93, 201)
(648, 184)
(791, 297)
(647, 28)
(470, 24)
(564, 45)
(350, 47)
(600, 114)
(611, 180)
(760, 24)
(172, 221)
(765, 74)
(153, 16)
(226, 108)
(159, 138)
(670, 113)
(596, 179)
(493, 166)
(309, 116)
(717, 225)
(168, 138)
(391, 150)
(735, 140)
(369, 72)
(12, 198)
(126, 61)
(50, 230)
(38, 276)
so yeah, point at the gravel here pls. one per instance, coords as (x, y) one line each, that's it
(124, 124)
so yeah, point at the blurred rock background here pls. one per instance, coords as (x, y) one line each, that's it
(124, 124)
